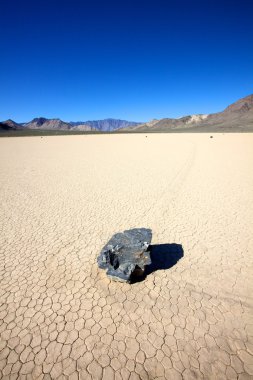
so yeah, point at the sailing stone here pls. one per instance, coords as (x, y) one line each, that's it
(126, 254)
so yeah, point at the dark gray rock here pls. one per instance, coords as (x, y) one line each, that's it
(126, 254)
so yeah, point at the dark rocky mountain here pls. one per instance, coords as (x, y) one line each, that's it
(238, 117)
(10, 125)
(107, 124)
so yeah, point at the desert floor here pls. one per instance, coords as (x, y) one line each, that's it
(61, 200)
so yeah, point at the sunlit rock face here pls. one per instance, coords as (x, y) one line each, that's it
(126, 254)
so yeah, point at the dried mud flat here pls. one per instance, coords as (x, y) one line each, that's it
(62, 198)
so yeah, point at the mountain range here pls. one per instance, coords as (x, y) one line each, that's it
(42, 123)
(237, 117)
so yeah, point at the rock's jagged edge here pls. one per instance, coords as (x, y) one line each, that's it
(126, 254)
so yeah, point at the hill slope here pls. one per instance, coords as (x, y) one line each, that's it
(238, 117)
(10, 125)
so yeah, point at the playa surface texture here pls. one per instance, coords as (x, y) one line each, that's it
(62, 198)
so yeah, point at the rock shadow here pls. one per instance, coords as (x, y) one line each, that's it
(163, 256)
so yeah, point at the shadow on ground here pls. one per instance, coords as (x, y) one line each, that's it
(163, 256)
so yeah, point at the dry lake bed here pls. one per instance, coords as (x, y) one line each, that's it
(62, 198)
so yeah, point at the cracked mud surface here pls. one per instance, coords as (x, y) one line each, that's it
(62, 198)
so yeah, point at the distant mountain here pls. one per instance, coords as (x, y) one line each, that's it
(47, 124)
(238, 117)
(10, 125)
(107, 124)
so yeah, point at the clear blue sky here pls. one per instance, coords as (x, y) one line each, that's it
(134, 60)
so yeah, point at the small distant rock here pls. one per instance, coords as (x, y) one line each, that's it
(126, 254)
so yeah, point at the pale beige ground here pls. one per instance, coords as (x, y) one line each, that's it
(61, 200)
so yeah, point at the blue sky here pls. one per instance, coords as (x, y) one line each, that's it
(134, 60)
